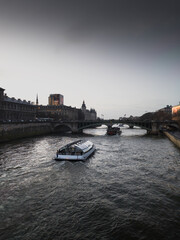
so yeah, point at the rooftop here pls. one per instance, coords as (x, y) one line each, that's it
(13, 100)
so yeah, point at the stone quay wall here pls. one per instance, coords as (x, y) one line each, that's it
(173, 138)
(12, 131)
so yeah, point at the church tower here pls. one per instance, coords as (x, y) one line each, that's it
(83, 107)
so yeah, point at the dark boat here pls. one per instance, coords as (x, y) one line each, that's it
(113, 131)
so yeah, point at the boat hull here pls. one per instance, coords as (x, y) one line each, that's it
(112, 133)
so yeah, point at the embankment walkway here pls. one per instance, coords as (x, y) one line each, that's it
(174, 136)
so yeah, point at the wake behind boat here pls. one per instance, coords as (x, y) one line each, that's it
(75, 151)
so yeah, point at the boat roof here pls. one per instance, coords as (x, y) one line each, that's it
(80, 145)
(84, 146)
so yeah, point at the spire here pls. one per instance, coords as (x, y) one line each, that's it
(37, 102)
(83, 105)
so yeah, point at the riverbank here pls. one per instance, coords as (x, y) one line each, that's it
(174, 136)
(13, 131)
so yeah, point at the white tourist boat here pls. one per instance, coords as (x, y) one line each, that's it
(75, 151)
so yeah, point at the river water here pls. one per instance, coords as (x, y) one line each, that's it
(129, 189)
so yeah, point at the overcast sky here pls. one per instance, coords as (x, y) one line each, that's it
(120, 56)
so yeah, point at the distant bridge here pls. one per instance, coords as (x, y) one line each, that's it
(152, 127)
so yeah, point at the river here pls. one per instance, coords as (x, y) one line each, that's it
(129, 189)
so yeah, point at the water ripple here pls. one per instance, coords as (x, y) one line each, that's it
(129, 189)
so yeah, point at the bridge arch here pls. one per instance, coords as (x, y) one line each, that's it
(60, 128)
(89, 125)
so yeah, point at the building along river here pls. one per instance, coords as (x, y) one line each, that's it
(129, 189)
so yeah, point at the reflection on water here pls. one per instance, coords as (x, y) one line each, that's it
(129, 189)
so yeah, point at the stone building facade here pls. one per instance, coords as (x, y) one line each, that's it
(88, 114)
(61, 112)
(14, 110)
(176, 113)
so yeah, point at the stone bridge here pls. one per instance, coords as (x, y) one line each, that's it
(152, 127)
